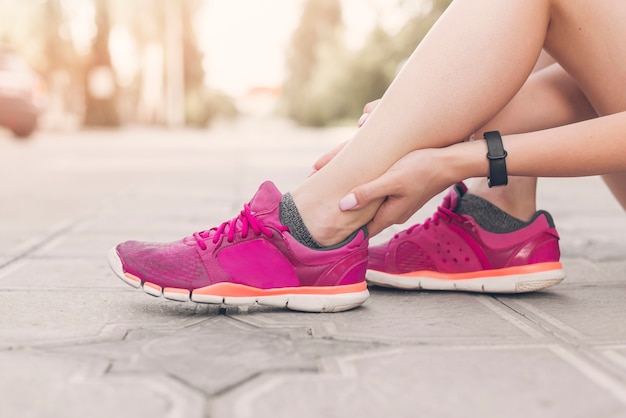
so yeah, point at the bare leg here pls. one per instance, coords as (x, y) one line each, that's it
(591, 77)
(617, 184)
(445, 92)
(434, 88)
(549, 98)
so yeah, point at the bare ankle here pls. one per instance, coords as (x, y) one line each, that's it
(518, 198)
(330, 227)
(325, 222)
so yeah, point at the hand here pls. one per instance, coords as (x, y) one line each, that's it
(405, 187)
(367, 110)
(324, 159)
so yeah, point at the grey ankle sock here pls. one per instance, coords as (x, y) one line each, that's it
(290, 217)
(487, 215)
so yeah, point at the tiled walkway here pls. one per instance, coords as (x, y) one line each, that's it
(77, 342)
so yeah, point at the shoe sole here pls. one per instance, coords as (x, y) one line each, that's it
(305, 298)
(522, 279)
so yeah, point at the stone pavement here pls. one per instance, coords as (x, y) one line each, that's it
(77, 342)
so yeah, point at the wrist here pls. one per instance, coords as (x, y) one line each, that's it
(464, 160)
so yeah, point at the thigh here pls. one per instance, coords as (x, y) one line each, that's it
(587, 38)
(549, 98)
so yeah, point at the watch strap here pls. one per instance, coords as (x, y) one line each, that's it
(496, 155)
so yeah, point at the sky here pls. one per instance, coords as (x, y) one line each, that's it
(245, 40)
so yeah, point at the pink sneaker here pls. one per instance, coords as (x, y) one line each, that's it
(451, 252)
(252, 258)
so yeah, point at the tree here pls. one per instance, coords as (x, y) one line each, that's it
(101, 87)
(319, 32)
(146, 22)
(328, 83)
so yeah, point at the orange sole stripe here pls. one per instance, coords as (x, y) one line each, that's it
(152, 285)
(509, 271)
(132, 277)
(175, 290)
(240, 290)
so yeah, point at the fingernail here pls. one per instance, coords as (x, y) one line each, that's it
(362, 119)
(348, 202)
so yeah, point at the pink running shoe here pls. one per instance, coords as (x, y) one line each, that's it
(452, 252)
(252, 258)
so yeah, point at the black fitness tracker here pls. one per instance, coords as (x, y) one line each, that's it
(496, 156)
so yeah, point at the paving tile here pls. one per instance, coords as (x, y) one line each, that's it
(583, 271)
(163, 228)
(408, 382)
(59, 273)
(15, 239)
(615, 269)
(617, 356)
(97, 245)
(588, 217)
(39, 384)
(596, 245)
(582, 312)
(405, 316)
(34, 317)
(141, 217)
(217, 354)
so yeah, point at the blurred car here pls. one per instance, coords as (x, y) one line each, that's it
(22, 94)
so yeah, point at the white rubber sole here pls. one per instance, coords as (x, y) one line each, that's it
(514, 280)
(292, 298)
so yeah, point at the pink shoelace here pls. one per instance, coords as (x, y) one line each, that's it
(443, 213)
(242, 222)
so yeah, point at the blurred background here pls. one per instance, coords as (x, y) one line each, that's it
(69, 64)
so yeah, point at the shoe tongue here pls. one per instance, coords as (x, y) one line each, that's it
(265, 198)
(451, 200)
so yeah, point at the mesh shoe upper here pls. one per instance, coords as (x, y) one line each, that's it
(177, 263)
(452, 243)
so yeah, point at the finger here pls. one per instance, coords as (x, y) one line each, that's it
(369, 107)
(367, 110)
(368, 193)
(324, 159)
(362, 119)
(387, 214)
(376, 226)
